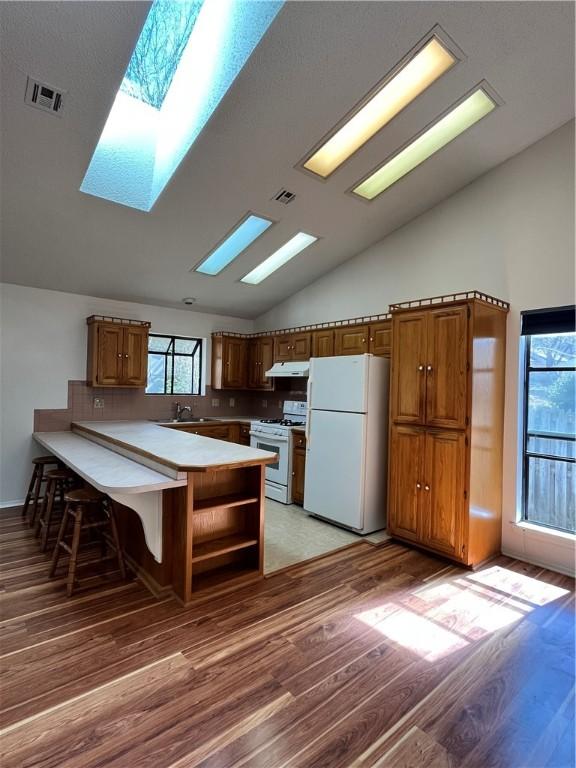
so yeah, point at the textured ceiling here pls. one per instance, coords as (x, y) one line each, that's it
(313, 65)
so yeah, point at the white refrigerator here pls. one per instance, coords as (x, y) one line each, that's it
(347, 441)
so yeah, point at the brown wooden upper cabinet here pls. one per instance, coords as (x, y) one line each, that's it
(323, 342)
(429, 379)
(380, 338)
(260, 360)
(352, 340)
(229, 356)
(292, 347)
(117, 352)
(359, 339)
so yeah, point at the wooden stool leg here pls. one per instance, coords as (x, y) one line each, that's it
(33, 483)
(47, 501)
(58, 490)
(60, 538)
(37, 492)
(74, 550)
(116, 539)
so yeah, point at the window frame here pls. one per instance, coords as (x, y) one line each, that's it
(170, 352)
(527, 434)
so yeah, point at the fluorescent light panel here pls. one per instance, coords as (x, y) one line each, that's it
(422, 69)
(187, 57)
(445, 130)
(237, 241)
(279, 258)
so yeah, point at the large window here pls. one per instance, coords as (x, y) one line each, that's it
(174, 365)
(549, 448)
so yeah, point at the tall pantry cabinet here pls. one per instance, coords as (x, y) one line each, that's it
(446, 424)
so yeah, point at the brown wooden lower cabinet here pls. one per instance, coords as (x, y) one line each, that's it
(298, 467)
(428, 496)
(233, 431)
(244, 434)
(216, 431)
(406, 452)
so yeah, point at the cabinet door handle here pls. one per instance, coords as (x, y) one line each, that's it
(426, 487)
(293, 474)
(371, 338)
(418, 485)
(429, 368)
(420, 367)
(119, 354)
(363, 341)
(126, 356)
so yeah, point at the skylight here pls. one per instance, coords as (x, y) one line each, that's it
(186, 58)
(442, 132)
(279, 258)
(243, 235)
(388, 99)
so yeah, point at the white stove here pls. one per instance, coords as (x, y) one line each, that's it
(276, 435)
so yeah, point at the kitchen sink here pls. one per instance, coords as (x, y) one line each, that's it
(207, 418)
(184, 421)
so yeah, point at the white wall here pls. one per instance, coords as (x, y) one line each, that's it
(509, 234)
(43, 337)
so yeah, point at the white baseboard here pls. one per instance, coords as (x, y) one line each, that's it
(541, 563)
(15, 503)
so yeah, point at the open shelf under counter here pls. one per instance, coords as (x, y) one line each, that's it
(225, 501)
(224, 578)
(206, 550)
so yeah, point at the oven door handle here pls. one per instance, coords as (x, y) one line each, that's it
(270, 438)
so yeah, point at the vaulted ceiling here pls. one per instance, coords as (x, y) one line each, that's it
(313, 65)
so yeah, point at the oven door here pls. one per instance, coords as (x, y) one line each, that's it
(277, 472)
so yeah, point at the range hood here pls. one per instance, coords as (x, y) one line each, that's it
(289, 369)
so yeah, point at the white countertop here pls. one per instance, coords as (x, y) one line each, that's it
(106, 470)
(180, 451)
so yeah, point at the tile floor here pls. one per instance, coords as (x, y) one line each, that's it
(292, 536)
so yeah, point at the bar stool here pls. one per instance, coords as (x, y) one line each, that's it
(36, 481)
(89, 510)
(58, 481)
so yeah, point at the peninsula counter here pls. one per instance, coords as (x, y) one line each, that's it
(190, 508)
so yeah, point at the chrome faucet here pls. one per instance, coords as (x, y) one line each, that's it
(181, 409)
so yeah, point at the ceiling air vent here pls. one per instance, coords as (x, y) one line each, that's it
(44, 97)
(284, 196)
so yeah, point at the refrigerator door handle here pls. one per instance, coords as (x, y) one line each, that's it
(308, 411)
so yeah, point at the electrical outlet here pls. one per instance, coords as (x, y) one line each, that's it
(215, 402)
(98, 402)
(232, 402)
(264, 403)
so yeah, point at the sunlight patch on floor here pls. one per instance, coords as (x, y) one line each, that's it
(436, 621)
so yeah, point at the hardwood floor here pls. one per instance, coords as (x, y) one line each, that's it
(369, 656)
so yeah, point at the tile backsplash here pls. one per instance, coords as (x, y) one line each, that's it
(107, 403)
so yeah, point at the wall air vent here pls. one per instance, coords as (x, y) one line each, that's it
(44, 97)
(284, 196)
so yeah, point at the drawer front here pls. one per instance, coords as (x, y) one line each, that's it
(299, 440)
(217, 432)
